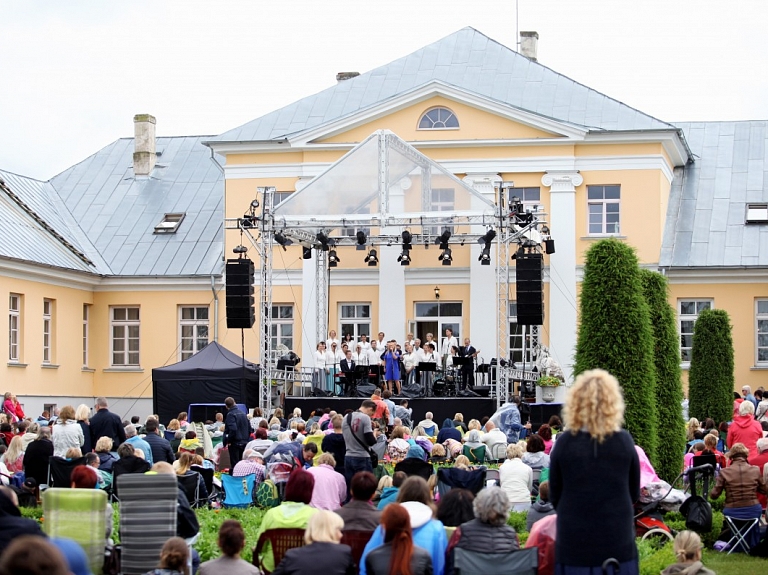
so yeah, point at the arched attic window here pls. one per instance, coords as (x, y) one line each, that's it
(438, 118)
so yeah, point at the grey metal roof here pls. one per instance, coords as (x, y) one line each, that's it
(707, 206)
(116, 212)
(468, 60)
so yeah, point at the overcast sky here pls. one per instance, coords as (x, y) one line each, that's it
(74, 72)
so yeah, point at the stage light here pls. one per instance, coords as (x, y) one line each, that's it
(306, 253)
(325, 241)
(240, 249)
(361, 239)
(443, 239)
(445, 256)
(487, 238)
(333, 259)
(485, 256)
(545, 230)
(371, 259)
(407, 239)
(405, 257)
(283, 241)
(248, 221)
(255, 204)
(549, 246)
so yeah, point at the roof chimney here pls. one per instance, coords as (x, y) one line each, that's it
(529, 42)
(144, 153)
(341, 76)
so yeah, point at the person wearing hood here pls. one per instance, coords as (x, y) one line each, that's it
(389, 494)
(415, 463)
(507, 418)
(535, 456)
(687, 547)
(428, 533)
(745, 429)
(36, 456)
(448, 431)
(474, 448)
(12, 524)
(541, 507)
(66, 432)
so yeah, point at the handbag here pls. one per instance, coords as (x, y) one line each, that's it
(696, 509)
(374, 457)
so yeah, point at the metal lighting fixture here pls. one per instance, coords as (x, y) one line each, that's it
(545, 230)
(487, 238)
(248, 221)
(442, 240)
(241, 249)
(371, 259)
(445, 256)
(333, 259)
(486, 241)
(255, 203)
(325, 241)
(283, 241)
(361, 240)
(306, 253)
(405, 257)
(407, 239)
(437, 292)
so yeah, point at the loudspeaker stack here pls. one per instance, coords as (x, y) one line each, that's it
(239, 284)
(530, 298)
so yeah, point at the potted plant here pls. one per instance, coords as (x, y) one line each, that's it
(548, 383)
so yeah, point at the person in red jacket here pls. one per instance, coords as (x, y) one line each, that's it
(745, 429)
(759, 461)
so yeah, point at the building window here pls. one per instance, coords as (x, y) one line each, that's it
(603, 209)
(438, 119)
(530, 197)
(355, 320)
(86, 317)
(761, 318)
(193, 330)
(14, 328)
(519, 339)
(125, 336)
(282, 326)
(441, 200)
(47, 330)
(170, 223)
(688, 312)
(279, 197)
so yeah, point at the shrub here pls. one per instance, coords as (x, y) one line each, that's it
(710, 379)
(652, 559)
(615, 334)
(669, 387)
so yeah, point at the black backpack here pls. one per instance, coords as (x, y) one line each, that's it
(696, 509)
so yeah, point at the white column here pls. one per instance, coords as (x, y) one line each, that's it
(308, 312)
(392, 312)
(482, 283)
(562, 312)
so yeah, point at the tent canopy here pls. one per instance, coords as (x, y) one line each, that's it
(210, 376)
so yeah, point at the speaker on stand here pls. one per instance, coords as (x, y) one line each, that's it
(239, 294)
(528, 284)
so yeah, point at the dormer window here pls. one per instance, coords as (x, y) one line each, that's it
(439, 119)
(170, 223)
(757, 214)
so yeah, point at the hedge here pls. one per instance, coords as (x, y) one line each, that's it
(615, 334)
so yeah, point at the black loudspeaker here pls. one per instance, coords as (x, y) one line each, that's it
(530, 299)
(239, 284)
(541, 412)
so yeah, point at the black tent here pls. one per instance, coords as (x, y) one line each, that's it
(210, 376)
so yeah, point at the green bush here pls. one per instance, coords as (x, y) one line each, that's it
(517, 520)
(676, 521)
(652, 559)
(615, 334)
(669, 387)
(710, 379)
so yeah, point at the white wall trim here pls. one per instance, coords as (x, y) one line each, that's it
(713, 275)
(20, 270)
(158, 283)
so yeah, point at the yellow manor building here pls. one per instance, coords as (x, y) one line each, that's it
(115, 266)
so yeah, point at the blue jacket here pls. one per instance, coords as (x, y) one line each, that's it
(430, 537)
(389, 495)
(237, 430)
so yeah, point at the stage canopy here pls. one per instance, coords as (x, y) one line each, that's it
(210, 376)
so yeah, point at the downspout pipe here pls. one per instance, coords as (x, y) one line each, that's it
(215, 310)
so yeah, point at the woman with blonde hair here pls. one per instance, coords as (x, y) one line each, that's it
(516, 479)
(14, 455)
(323, 548)
(693, 429)
(82, 415)
(594, 478)
(66, 432)
(184, 469)
(687, 548)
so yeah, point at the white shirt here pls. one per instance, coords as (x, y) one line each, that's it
(430, 357)
(375, 354)
(360, 358)
(365, 344)
(448, 342)
(410, 361)
(333, 359)
(320, 358)
(331, 340)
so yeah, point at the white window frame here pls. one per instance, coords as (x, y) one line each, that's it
(86, 330)
(603, 203)
(14, 328)
(758, 318)
(195, 323)
(280, 324)
(441, 205)
(47, 331)
(434, 126)
(681, 317)
(355, 321)
(126, 324)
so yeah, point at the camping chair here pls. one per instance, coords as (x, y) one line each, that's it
(207, 474)
(519, 562)
(745, 533)
(450, 477)
(80, 515)
(60, 470)
(238, 491)
(190, 485)
(277, 542)
(127, 467)
(357, 540)
(474, 454)
(430, 430)
(147, 519)
(498, 452)
(493, 475)
(317, 441)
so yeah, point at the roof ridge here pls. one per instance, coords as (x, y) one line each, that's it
(22, 176)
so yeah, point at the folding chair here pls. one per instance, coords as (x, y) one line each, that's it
(450, 477)
(474, 454)
(492, 475)
(277, 542)
(414, 466)
(60, 470)
(745, 533)
(357, 540)
(128, 466)
(498, 452)
(190, 485)
(147, 519)
(520, 562)
(80, 515)
(238, 491)
(207, 474)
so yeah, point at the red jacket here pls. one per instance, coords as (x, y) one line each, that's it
(746, 430)
(759, 461)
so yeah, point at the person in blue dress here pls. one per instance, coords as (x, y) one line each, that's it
(391, 358)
